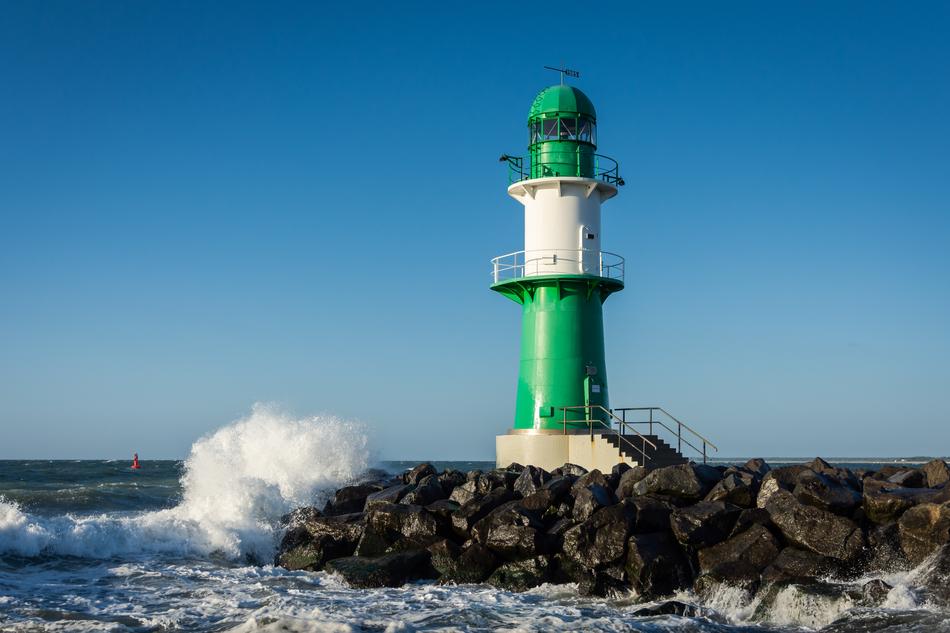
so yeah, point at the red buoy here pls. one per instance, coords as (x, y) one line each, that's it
(135, 461)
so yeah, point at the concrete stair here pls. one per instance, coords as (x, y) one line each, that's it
(630, 445)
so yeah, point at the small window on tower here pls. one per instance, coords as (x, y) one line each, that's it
(534, 133)
(549, 132)
(568, 129)
(584, 130)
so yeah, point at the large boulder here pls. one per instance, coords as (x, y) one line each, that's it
(705, 523)
(742, 558)
(843, 475)
(652, 514)
(680, 481)
(884, 503)
(419, 473)
(937, 472)
(521, 575)
(827, 493)
(477, 508)
(530, 480)
(656, 565)
(392, 494)
(390, 570)
(814, 529)
(450, 479)
(470, 564)
(397, 526)
(924, 529)
(784, 478)
(591, 498)
(629, 479)
(349, 499)
(910, 478)
(311, 541)
(749, 517)
(794, 565)
(757, 467)
(601, 539)
(511, 531)
(734, 489)
(427, 490)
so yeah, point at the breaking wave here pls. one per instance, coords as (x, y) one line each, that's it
(238, 481)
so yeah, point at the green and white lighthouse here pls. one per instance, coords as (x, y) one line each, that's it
(561, 280)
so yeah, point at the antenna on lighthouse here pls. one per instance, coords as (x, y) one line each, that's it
(576, 74)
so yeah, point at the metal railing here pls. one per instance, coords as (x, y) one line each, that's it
(556, 261)
(623, 438)
(654, 420)
(584, 165)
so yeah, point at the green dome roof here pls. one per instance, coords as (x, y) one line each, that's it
(561, 98)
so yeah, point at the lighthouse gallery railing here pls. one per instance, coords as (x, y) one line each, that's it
(551, 261)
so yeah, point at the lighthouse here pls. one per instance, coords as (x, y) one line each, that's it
(561, 279)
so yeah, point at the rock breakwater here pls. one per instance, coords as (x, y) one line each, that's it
(651, 531)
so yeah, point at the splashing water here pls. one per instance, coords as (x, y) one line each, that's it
(238, 481)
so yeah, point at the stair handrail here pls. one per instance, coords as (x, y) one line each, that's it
(679, 425)
(620, 435)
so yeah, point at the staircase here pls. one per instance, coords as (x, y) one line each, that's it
(617, 427)
(632, 446)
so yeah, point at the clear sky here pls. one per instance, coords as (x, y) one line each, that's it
(207, 205)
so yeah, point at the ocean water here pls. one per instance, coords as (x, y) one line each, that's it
(186, 546)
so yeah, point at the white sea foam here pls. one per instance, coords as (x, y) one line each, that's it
(238, 481)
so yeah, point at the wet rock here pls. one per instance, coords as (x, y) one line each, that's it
(477, 485)
(471, 564)
(389, 570)
(590, 478)
(679, 481)
(937, 472)
(394, 526)
(923, 530)
(388, 495)
(734, 489)
(794, 565)
(559, 486)
(300, 515)
(882, 473)
(629, 479)
(843, 475)
(601, 539)
(875, 591)
(514, 467)
(672, 607)
(419, 473)
(749, 517)
(530, 480)
(708, 476)
(742, 558)
(589, 499)
(619, 469)
(704, 524)
(569, 469)
(477, 508)
(427, 490)
(757, 467)
(885, 548)
(511, 531)
(885, 504)
(652, 514)
(784, 478)
(911, 478)
(349, 499)
(444, 556)
(827, 493)
(450, 479)
(521, 575)
(814, 529)
(601, 582)
(502, 478)
(656, 565)
(443, 510)
(314, 540)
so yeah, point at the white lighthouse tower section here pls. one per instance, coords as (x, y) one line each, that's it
(562, 224)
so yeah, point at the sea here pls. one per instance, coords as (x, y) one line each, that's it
(91, 545)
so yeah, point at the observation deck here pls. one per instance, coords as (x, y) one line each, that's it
(573, 164)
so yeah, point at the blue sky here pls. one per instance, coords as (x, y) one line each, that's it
(207, 205)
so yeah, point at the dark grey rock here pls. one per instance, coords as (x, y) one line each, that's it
(389, 570)
(679, 481)
(569, 469)
(395, 526)
(477, 508)
(794, 565)
(656, 565)
(427, 490)
(652, 514)
(419, 473)
(815, 529)
(704, 524)
(450, 479)
(911, 478)
(734, 489)
(749, 517)
(884, 502)
(559, 486)
(629, 479)
(530, 480)
(521, 575)
(757, 467)
(826, 492)
(937, 472)
(589, 499)
(314, 540)
(391, 494)
(349, 499)
(923, 530)
(784, 478)
(511, 531)
(592, 477)
(601, 539)
(875, 591)
(672, 607)
(742, 558)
